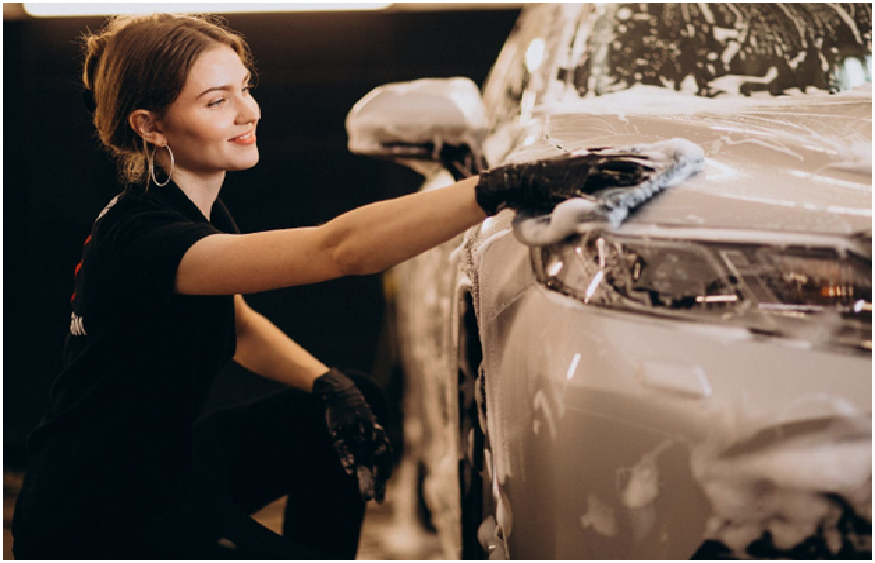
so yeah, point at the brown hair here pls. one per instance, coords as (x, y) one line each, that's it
(142, 62)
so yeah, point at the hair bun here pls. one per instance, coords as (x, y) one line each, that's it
(95, 45)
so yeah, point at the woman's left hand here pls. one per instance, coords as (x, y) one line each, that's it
(360, 441)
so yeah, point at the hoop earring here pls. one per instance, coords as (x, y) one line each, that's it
(152, 166)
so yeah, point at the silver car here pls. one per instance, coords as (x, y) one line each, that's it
(695, 382)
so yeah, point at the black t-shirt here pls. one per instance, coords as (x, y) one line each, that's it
(139, 361)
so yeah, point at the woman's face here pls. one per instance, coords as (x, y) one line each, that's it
(211, 125)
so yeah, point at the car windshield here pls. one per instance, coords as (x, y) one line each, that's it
(723, 49)
(582, 51)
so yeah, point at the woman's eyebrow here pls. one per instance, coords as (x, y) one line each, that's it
(224, 88)
(214, 89)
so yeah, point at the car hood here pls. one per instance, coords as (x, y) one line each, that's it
(772, 164)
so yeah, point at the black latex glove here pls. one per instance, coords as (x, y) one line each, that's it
(538, 187)
(360, 442)
(460, 161)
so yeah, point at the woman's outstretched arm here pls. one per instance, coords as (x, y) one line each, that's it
(366, 240)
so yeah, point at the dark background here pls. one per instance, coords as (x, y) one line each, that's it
(312, 68)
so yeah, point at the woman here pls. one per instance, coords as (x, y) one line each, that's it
(119, 467)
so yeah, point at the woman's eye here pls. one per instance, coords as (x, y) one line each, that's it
(215, 103)
(248, 88)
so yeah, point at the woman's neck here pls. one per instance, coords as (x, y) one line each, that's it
(201, 189)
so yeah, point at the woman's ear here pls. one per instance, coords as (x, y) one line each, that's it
(146, 126)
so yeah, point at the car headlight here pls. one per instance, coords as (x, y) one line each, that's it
(818, 291)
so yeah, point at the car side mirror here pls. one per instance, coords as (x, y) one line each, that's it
(425, 124)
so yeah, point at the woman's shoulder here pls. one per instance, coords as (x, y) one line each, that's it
(131, 203)
(134, 213)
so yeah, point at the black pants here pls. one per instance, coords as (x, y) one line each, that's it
(244, 458)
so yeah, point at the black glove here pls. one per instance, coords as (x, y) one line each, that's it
(460, 161)
(360, 442)
(537, 187)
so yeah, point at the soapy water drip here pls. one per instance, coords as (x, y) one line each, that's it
(662, 165)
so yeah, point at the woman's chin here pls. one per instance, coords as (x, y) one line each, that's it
(247, 163)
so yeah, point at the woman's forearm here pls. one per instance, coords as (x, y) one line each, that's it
(373, 238)
(363, 241)
(264, 349)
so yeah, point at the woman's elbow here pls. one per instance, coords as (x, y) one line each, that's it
(350, 261)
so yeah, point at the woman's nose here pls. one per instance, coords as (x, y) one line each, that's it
(249, 111)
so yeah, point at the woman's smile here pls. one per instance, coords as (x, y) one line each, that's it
(247, 138)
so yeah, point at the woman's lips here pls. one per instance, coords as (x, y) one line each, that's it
(245, 139)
